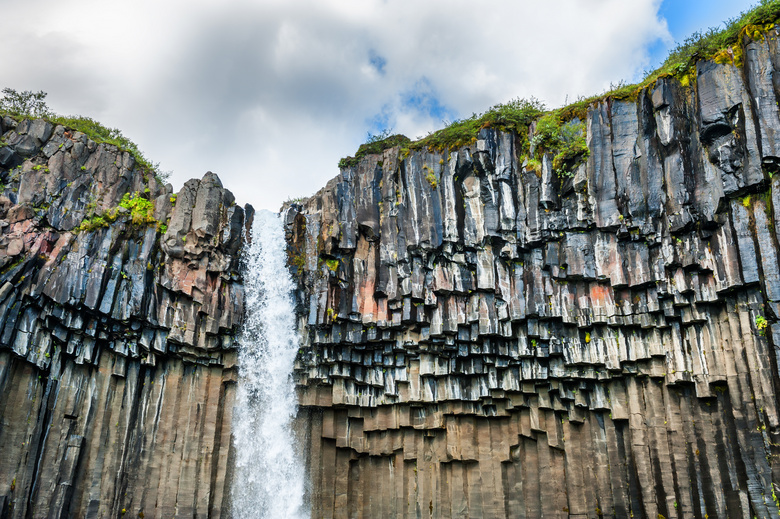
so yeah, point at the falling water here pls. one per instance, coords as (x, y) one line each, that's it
(269, 475)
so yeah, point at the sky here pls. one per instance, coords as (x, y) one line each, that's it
(270, 94)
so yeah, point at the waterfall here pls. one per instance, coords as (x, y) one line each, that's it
(269, 475)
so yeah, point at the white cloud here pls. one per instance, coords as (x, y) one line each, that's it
(269, 94)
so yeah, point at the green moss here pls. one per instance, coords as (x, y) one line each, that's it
(99, 221)
(10, 267)
(93, 224)
(298, 261)
(535, 165)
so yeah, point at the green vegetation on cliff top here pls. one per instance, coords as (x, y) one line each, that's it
(567, 140)
(28, 104)
(375, 144)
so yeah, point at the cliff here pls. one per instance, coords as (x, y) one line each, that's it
(485, 337)
(487, 331)
(119, 304)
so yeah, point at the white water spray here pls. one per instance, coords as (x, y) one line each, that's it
(269, 474)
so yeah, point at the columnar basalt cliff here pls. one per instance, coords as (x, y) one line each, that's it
(482, 339)
(119, 303)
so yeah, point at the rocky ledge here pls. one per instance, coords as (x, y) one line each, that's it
(484, 339)
(119, 306)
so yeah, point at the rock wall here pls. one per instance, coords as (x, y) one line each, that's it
(484, 340)
(117, 343)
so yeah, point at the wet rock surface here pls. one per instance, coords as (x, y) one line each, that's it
(482, 340)
(117, 349)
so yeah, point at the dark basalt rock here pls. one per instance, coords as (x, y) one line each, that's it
(483, 339)
(117, 345)
(478, 338)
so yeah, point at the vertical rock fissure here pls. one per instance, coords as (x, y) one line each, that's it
(217, 449)
(268, 480)
(40, 447)
(130, 449)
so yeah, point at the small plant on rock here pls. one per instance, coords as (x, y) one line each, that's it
(761, 324)
(141, 209)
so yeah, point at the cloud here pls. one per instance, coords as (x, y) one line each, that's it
(271, 94)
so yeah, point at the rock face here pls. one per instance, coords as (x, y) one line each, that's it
(482, 340)
(117, 344)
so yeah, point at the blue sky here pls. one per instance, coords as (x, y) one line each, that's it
(684, 17)
(270, 94)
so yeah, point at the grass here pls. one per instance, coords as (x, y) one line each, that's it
(715, 43)
(554, 132)
(515, 115)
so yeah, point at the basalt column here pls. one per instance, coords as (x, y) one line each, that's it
(485, 339)
(119, 304)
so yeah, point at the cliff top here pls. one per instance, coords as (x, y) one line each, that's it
(32, 105)
(720, 45)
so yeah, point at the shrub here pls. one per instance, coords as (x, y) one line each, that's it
(25, 104)
(566, 140)
(375, 144)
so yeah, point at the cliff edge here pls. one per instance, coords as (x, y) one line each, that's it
(119, 306)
